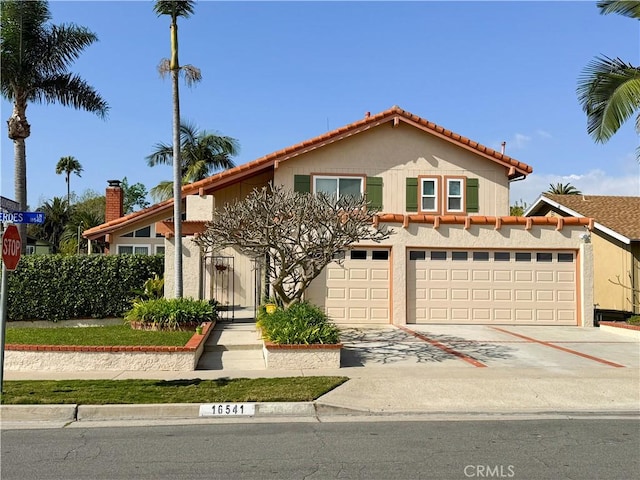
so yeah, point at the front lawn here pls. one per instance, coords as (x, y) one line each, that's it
(112, 335)
(101, 392)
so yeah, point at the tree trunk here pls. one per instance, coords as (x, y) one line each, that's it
(177, 160)
(19, 130)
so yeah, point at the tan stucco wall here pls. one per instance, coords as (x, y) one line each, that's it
(395, 154)
(191, 269)
(612, 259)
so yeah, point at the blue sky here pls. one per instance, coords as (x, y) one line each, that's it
(277, 73)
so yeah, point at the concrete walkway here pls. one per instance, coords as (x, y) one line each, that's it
(429, 370)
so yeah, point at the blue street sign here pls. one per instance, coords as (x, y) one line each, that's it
(22, 217)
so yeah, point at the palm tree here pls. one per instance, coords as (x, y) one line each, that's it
(175, 9)
(609, 88)
(56, 216)
(35, 60)
(202, 154)
(68, 165)
(560, 189)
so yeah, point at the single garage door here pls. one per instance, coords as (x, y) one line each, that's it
(500, 287)
(355, 290)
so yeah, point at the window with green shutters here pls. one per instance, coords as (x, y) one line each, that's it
(472, 197)
(302, 184)
(374, 192)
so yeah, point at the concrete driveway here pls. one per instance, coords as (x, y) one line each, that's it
(480, 346)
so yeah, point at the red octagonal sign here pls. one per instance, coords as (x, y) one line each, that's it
(11, 247)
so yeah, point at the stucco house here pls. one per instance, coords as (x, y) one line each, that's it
(456, 256)
(616, 246)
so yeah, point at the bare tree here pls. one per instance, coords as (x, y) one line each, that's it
(634, 292)
(294, 235)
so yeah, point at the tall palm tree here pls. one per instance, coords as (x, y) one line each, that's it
(35, 60)
(560, 189)
(609, 88)
(202, 154)
(69, 165)
(175, 9)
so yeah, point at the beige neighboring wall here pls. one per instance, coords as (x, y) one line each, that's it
(191, 269)
(612, 259)
(152, 241)
(397, 153)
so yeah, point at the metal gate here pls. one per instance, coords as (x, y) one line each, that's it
(218, 282)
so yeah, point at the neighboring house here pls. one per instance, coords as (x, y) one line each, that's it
(456, 256)
(616, 246)
(37, 247)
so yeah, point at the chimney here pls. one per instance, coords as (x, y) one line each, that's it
(504, 147)
(114, 205)
(367, 114)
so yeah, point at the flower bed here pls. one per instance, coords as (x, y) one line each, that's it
(289, 357)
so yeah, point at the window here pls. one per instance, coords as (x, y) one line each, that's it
(565, 257)
(133, 249)
(455, 195)
(160, 249)
(31, 249)
(459, 256)
(544, 257)
(380, 255)
(501, 256)
(523, 257)
(438, 255)
(429, 195)
(358, 254)
(417, 255)
(480, 256)
(140, 233)
(338, 186)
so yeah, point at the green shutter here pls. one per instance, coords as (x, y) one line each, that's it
(412, 194)
(473, 202)
(302, 183)
(374, 192)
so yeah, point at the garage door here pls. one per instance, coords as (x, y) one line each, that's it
(355, 290)
(501, 287)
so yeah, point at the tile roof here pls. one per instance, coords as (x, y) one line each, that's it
(394, 114)
(620, 214)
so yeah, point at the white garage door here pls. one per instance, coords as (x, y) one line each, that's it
(356, 290)
(500, 287)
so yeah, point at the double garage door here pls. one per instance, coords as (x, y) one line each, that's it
(500, 287)
(453, 286)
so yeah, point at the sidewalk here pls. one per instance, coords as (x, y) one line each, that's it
(392, 372)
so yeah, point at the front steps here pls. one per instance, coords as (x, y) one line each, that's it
(233, 346)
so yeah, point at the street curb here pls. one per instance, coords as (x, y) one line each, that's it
(38, 413)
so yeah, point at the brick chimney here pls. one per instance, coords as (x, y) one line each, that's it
(114, 205)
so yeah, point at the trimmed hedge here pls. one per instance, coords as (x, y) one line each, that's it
(171, 313)
(60, 287)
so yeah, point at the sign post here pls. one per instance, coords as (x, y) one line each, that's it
(11, 249)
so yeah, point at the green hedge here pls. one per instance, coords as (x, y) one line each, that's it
(171, 313)
(60, 287)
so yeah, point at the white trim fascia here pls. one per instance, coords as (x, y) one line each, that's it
(568, 211)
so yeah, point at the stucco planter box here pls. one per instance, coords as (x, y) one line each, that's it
(631, 331)
(290, 357)
(70, 358)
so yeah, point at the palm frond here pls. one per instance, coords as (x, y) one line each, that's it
(628, 8)
(162, 191)
(162, 155)
(174, 8)
(70, 90)
(609, 92)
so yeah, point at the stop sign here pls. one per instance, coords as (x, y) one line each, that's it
(11, 247)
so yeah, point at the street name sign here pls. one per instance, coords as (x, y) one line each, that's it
(11, 247)
(22, 217)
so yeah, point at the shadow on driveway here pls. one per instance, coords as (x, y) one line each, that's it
(386, 347)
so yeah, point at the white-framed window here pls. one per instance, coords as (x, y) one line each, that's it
(455, 195)
(31, 249)
(338, 186)
(429, 187)
(133, 249)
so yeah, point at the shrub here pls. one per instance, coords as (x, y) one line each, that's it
(301, 323)
(59, 287)
(171, 314)
(634, 320)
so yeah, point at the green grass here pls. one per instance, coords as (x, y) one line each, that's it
(112, 335)
(102, 392)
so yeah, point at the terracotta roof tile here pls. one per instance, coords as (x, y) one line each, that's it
(620, 214)
(370, 121)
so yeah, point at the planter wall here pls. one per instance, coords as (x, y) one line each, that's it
(84, 358)
(290, 357)
(631, 331)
